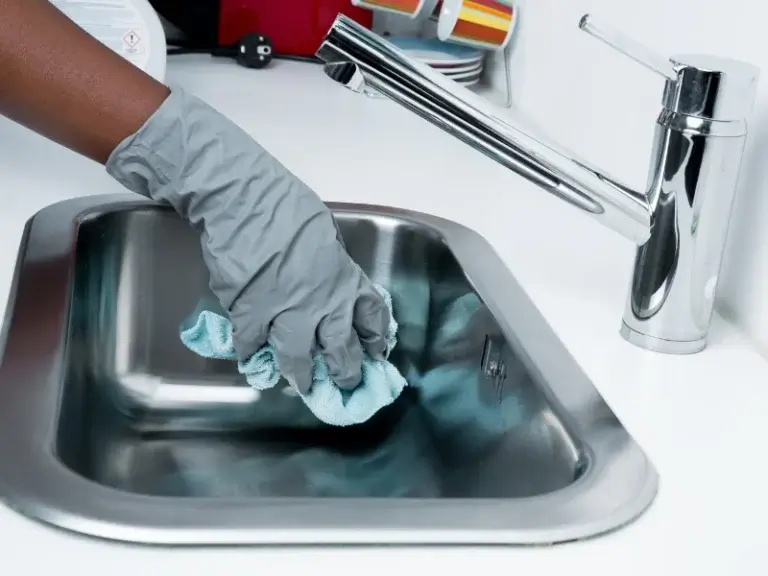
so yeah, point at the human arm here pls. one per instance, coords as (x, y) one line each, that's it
(62, 83)
(271, 246)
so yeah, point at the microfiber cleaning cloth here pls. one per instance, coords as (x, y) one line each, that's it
(210, 335)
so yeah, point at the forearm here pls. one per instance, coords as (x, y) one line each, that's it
(64, 84)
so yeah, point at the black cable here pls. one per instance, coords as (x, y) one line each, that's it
(212, 51)
(252, 51)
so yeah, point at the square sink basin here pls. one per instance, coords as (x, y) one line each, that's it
(111, 427)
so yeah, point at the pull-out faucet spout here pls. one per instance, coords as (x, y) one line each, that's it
(679, 222)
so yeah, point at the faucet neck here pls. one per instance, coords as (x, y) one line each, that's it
(359, 59)
(679, 222)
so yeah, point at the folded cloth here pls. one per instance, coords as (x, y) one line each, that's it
(210, 335)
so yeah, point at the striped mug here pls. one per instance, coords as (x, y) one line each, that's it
(485, 24)
(409, 8)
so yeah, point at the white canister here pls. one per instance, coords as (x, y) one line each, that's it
(129, 27)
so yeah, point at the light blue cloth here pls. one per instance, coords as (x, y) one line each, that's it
(210, 335)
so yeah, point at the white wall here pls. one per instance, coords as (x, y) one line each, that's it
(603, 105)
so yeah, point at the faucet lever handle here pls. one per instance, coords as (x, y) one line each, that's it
(700, 85)
(629, 47)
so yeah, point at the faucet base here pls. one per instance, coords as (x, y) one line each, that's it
(659, 344)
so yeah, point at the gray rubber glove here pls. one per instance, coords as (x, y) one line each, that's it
(272, 247)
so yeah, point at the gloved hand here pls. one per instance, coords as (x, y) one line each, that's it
(276, 260)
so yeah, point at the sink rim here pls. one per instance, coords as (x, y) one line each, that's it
(620, 482)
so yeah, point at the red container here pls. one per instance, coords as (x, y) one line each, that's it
(296, 27)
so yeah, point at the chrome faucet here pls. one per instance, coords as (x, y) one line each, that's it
(680, 223)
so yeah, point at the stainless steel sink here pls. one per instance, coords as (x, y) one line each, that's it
(111, 428)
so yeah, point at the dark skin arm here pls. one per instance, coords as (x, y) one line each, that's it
(62, 83)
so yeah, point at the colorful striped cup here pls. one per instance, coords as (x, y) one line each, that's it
(486, 24)
(410, 8)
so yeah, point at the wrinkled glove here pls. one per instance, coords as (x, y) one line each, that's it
(276, 260)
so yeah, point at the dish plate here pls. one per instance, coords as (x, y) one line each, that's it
(435, 53)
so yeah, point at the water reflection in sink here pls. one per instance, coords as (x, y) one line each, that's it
(142, 414)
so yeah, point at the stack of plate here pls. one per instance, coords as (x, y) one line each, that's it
(461, 63)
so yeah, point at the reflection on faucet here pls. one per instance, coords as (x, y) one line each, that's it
(680, 222)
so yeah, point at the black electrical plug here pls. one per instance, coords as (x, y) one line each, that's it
(252, 51)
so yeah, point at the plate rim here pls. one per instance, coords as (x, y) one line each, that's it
(448, 60)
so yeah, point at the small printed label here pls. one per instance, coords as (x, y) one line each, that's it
(115, 23)
(132, 39)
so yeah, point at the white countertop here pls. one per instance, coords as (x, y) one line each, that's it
(701, 419)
